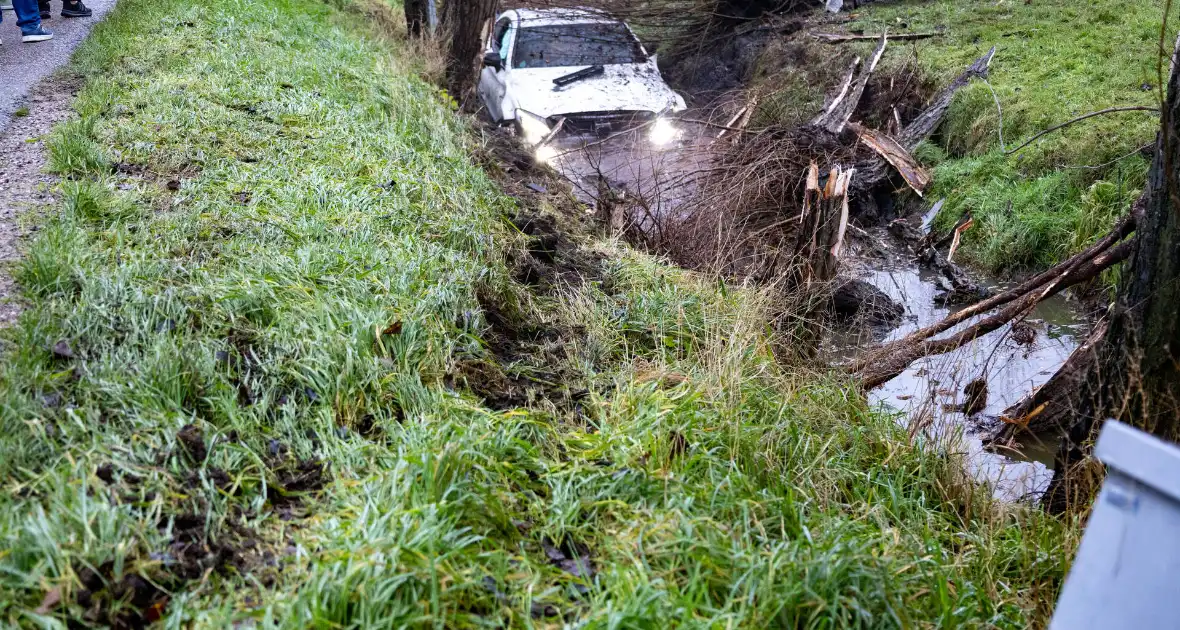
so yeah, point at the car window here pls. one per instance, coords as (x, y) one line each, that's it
(500, 37)
(588, 44)
(505, 42)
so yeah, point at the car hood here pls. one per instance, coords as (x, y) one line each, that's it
(622, 87)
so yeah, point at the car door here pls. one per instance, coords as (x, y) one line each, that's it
(493, 82)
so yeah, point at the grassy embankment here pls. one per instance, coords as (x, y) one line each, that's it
(237, 392)
(1055, 60)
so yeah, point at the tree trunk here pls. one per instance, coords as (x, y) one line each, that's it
(1137, 375)
(465, 22)
(415, 17)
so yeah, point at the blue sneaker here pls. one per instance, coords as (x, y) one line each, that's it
(36, 34)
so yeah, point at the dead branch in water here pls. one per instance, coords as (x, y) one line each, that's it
(892, 359)
(1050, 407)
(1124, 227)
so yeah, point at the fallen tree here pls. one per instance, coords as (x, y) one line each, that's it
(883, 363)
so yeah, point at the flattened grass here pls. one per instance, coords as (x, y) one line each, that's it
(271, 206)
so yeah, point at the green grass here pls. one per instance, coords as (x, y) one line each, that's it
(1055, 60)
(243, 218)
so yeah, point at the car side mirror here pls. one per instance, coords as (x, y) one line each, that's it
(493, 60)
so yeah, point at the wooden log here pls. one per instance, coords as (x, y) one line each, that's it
(894, 358)
(921, 127)
(1124, 227)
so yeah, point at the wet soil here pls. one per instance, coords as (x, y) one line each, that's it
(200, 540)
(525, 360)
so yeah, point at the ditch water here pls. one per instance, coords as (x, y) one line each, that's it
(930, 391)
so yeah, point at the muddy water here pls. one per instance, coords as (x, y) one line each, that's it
(930, 391)
(664, 175)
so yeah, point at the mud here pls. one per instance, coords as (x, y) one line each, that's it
(525, 361)
(25, 187)
(525, 365)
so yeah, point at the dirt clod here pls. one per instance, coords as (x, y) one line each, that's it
(569, 556)
(62, 350)
(192, 440)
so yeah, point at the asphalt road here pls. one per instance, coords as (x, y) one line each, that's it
(23, 65)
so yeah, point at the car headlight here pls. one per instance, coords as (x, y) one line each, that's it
(663, 132)
(532, 126)
(547, 154)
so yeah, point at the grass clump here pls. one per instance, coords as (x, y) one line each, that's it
(237, 393)
(73, 151)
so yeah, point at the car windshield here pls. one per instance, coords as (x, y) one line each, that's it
(590, 44)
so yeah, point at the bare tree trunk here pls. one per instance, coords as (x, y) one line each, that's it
(1137, 374)
(465, 22)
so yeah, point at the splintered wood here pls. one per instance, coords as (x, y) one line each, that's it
(837, 114)
(895, 154)
(822, 224)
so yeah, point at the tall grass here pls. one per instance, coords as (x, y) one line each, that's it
(213, 315)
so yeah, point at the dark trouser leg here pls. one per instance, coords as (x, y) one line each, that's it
(27, 15)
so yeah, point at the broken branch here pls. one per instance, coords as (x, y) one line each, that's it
(897, 356)
(895, 154)
(1124, 227)
(837, 115)
(921, 127)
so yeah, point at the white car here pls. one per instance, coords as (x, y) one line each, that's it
(577, 68)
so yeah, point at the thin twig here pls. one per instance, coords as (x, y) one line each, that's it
(835, 38)
(1117, 159)
(1109, 110)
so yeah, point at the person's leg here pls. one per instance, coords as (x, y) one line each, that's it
(74, 8)
(28, 18)
(46, 10)
(27, 14)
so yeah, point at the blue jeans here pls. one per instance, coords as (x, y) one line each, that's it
(28, 15)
